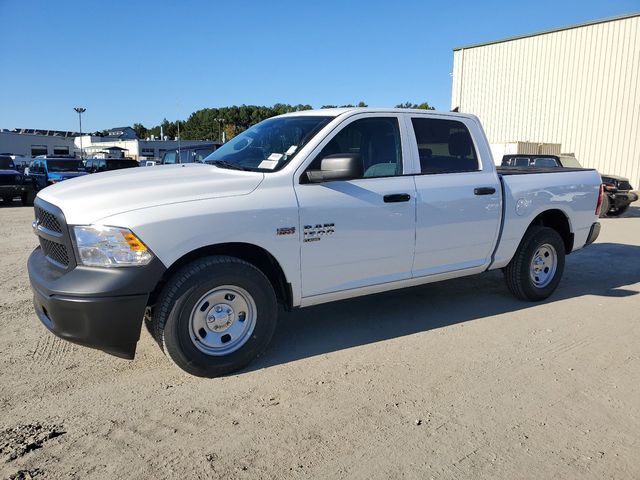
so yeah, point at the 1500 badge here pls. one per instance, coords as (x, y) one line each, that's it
(314, 233)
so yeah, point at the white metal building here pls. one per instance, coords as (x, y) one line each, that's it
(578, 86)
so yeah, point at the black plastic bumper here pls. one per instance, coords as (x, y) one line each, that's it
(622, 199)
(96, 307)
(13, 190)
(593, 233)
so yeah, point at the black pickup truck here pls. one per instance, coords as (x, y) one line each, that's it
(618, 190)
(13, 183)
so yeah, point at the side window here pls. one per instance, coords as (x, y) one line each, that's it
(376, 140)
(169, 157)
(201, 154)
(444, 146)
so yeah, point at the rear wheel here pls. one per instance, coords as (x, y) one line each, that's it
(215, 316)
(604, 210)
(536, 268)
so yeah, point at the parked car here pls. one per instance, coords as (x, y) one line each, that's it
(13, 183)
(618, 190)
(46, 171)
(195, 154)
(95, 165)
(300, 209)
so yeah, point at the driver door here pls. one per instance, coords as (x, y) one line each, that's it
(360, 232)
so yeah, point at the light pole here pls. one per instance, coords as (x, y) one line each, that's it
(80, 111)
(220, 121)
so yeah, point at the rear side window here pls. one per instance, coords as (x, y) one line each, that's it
(444, 146)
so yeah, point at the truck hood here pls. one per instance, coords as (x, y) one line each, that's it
(614, 177)
(89, 198)
(9, 172)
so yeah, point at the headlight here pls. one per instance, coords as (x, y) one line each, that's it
(100, 246)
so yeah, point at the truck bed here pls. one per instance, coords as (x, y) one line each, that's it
(504, 171)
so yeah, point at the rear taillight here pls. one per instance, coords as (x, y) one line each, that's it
(600, 198)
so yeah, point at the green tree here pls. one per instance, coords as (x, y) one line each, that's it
(420, 106)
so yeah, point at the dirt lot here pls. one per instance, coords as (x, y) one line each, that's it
(450, 380)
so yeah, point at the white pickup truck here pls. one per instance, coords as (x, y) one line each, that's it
(300, 209)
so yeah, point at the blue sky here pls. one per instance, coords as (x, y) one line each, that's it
(142, 61)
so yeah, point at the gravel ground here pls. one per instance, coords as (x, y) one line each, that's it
(450, 380)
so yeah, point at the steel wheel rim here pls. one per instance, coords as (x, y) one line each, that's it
(222, 320)
(543, 265)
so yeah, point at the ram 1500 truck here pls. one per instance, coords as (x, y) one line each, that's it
(298, 210)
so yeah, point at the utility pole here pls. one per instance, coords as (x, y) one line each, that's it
(80, 111)
(179, 154)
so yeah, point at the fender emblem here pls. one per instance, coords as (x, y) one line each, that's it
(286, 231)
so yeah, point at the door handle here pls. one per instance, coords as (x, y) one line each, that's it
(484, 191)
(397, 197)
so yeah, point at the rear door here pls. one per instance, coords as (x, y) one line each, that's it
(359, 232)
(458, 202)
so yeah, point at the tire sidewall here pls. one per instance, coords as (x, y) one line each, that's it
(544, 236)
(176, 336)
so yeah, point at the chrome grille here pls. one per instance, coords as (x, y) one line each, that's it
(55, 251)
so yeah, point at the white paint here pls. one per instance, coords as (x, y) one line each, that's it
(444, 231)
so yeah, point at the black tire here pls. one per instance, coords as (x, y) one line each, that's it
(616, 212)
(170, 322)
(604, 210)
(27, 198)
(517, 273)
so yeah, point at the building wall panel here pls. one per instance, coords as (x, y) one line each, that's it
(578, 87)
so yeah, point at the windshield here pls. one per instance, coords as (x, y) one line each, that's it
(269, 145)
(64, 166)
(7, 164)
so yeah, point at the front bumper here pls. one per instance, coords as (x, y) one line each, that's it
(13, 190)
(622, 199)
(96, 307)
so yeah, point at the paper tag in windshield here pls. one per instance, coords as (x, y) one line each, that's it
(292, 150)
(275, 157)
(268, 164)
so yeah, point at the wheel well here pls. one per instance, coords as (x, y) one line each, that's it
(557, 220)
(252, 254)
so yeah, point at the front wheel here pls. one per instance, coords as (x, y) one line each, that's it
(215, 316)
(606, 205)
(536, 268)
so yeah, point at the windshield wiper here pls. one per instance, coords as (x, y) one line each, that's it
(229, 165)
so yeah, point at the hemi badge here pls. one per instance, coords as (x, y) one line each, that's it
(286, 231)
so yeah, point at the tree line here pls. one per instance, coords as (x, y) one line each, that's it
(209, 123)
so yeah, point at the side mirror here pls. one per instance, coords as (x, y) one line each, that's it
(339, 166)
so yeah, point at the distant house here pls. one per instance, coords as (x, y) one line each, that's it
(121, 133)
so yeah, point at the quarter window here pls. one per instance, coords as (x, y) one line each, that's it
(444, 146)
(376, 140)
